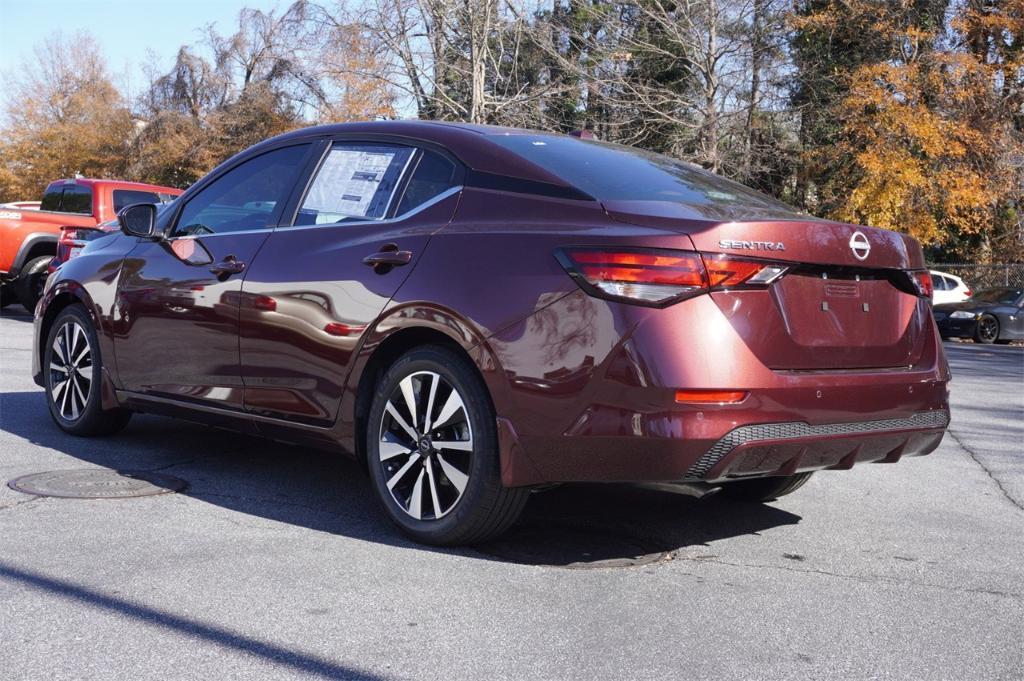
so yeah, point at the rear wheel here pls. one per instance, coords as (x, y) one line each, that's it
(987, 330)
(72, 368)
(432, 451)
(30, 281)
(764, 489)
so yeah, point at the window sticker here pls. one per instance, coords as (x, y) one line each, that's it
(347, 183)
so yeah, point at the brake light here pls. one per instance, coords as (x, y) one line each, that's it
(923, 283)
(968, 292)
(661, 277)
(644, 276)
(69, 237)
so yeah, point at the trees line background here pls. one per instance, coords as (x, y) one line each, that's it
(904, 114)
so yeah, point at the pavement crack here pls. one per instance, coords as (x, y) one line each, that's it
(977, 460)
(865, 580)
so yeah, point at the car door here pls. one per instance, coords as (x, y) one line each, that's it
(319, 283)
(178, 296)
(942, 289)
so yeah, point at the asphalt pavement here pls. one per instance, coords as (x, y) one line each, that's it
(276, 564)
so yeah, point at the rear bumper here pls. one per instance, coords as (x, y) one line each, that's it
(607, 411)
(788, 448)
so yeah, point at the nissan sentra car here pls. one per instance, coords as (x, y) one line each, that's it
(475, 312)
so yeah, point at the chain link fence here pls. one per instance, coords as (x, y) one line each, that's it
(984, 276)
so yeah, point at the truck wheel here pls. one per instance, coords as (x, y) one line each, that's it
(432, 451)
(72, 368)
(764, 489)
(30, 281)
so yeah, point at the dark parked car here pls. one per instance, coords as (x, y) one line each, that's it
(993, 315)
(473, 312)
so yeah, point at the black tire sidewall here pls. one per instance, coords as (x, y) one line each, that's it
(977, 334)
(484, 465)
(26, 290)
(93, 410)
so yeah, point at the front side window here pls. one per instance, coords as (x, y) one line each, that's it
(354, 182)
(244, 198)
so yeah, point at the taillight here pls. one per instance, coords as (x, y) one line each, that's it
(968, 292)
(923, 283)
(727, 272)
(658, 277)
(69, 237)
(645, 276)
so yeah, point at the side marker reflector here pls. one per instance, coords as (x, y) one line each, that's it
(710, 396)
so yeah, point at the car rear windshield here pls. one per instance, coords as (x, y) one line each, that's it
(611, 172)
(68, 198)
(1002, 296)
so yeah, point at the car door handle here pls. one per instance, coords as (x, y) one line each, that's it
(227, 266)
(394, 258)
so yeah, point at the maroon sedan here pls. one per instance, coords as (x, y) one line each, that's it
(472, 312)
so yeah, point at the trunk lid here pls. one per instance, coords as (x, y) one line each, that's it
(844, 303)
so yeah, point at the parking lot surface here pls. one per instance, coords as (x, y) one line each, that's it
(276, 563)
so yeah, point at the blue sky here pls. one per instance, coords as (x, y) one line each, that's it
(124, 29)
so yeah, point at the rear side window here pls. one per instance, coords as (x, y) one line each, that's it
(434, 174)
(68, 198)
(940, 283)
(126, 197)
(354, 182)
(245, 197)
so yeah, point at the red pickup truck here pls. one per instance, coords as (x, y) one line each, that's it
(28, 237)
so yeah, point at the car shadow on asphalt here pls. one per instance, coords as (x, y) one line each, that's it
(578, 525)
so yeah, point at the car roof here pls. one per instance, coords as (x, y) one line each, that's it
(467, 141)
(946, 274)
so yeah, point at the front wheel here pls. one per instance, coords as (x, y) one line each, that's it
(72, 368)
(432, 451)
(764, 489)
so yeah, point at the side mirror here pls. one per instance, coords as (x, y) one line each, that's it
(138, 219)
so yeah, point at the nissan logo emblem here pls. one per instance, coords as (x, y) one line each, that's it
(860, 246)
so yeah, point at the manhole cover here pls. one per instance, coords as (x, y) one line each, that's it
(97, 483)
(573, 547)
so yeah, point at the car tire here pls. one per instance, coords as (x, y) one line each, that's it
(764, 489)
(986, 330)
(72, 371)
(6, 296)
(30, 281)
(441, 485)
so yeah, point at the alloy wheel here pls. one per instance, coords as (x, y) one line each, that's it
(71, 371)
(425, 445)
(988, 328)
